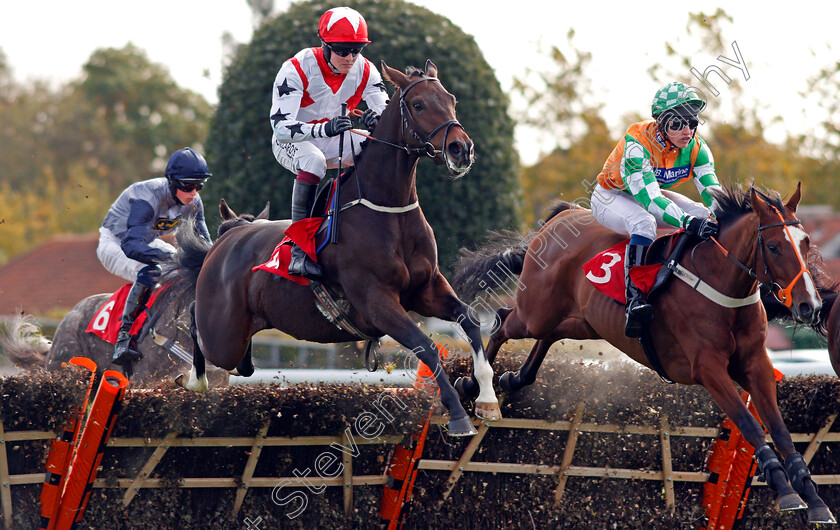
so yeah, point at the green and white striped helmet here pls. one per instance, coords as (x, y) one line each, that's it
(676, 95)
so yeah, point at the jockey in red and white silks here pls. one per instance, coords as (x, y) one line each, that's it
(306, 110)
(307, 95)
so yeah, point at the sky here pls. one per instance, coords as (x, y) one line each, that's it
(781, 47)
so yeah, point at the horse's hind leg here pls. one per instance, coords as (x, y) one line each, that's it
(198, 373)
(245, 368)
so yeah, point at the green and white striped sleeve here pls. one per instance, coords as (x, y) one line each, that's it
(640, 180)
(704, 174)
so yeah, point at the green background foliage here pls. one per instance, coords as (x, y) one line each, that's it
(402, 34)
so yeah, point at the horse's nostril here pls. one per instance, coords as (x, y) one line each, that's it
(805, 311)
(455, 149)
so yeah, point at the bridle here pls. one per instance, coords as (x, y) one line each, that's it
(414, 130)
(782, 294)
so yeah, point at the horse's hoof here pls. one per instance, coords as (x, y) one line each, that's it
(488, 411)
(235, 373)
(791, 501)
(179, 380)
(505, 381)
(821, 514)
(465, 390)
(462, 427)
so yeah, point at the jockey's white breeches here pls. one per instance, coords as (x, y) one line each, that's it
(316, 156)
(620, 212)
(114, 259)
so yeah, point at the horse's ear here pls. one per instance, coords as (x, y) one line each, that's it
(431, 69)
(263, 214)
(225, 211)
(758, 205)
(793, 202)
(396, 77)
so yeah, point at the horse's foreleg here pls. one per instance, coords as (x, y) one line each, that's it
(712, 374)
(758, 380)
(486, 403)
(382, 309)
(527, 374)
(197, 381)
(440, 301)
(468, 387)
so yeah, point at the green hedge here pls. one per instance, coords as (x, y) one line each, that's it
(620, 393)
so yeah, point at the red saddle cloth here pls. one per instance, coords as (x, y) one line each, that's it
(301, 233)
(106, 322)
(606, 272)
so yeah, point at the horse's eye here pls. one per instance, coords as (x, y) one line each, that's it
(418, 105)
(773, 248)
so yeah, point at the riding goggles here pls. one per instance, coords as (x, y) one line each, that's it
(678, 123)
(188, 186)
(344, 51)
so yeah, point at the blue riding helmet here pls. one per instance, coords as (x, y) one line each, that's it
(188, 166)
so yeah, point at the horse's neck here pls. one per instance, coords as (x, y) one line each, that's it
(741, 241)
(387, 174)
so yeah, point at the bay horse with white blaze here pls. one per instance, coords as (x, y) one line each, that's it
(698, 341)
(384, 262)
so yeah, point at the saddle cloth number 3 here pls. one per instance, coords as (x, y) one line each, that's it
(606, 267)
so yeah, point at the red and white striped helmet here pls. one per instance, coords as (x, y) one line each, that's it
(343, 24)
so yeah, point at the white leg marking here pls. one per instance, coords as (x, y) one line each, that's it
(484, 375)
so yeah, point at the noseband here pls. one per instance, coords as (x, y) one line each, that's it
(413, 128)
(410, 123)
(783, 294)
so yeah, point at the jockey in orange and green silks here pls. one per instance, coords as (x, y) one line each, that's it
(633, 197)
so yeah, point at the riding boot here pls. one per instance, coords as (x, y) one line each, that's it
(637, 311)
(303, 195)
(125, 350)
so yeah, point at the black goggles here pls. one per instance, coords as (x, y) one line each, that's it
(678, 123)
(188, 186)
(344, 51)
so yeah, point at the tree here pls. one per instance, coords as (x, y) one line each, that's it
(403, 34)
(559, 103)
(67, 152)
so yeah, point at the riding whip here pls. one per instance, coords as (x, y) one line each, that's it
(334, 231)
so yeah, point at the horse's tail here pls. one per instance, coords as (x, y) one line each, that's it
(24, 344)
(192, 249)
(501, 254)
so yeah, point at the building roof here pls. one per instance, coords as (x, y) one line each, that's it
(54, 276)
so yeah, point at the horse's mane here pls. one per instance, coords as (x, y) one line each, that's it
(245, 218)
(411, 71)
(732, 202)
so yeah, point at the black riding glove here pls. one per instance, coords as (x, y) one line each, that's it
(337, 125)
(369, 119)
(704, 228)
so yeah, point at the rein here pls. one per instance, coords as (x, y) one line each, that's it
(410, 123)
(426, 149)
(782, 294)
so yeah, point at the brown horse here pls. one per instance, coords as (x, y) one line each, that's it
(384, 263)
(697, 340)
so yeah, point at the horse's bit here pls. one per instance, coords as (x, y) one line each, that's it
(410, 123)
(782, 294)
